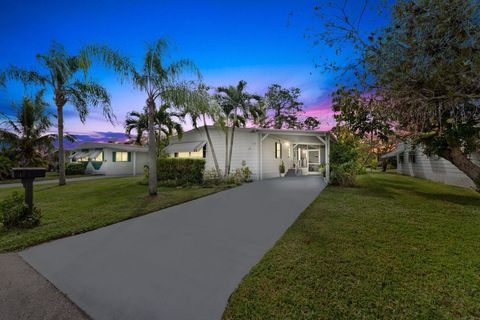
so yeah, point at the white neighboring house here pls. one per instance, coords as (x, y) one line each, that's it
(263, 150)
(111, 158)
(414, 162)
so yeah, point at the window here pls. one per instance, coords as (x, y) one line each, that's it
(278, 150)
(204, 151)
(121, 156)
(193, 154)
(411, 157)
(401, 160)
(99, 158)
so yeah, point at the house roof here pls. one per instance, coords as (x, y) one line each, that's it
(115, 146)
(400, 148)
(193, 146)
(278, 131)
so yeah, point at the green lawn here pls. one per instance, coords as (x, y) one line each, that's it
(86, 205)
(394, 247)
(48, 176)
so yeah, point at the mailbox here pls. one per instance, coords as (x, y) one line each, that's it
(27, 175)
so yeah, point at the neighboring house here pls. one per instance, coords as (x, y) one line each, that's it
(263, 150)
(413, 162)
(111, 158)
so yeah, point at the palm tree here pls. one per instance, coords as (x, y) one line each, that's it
(204, 106)
(27, 132)
(238, 107)
(160, 82)
(66, 76)
(167, 123)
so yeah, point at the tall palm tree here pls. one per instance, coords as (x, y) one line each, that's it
(167, 123)
(238, 106)
(66, 77)
(204, 106)
(160, 82)
(27, 133)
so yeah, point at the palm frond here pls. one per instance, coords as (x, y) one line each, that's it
(82, 94)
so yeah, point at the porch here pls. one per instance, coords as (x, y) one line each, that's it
(301, 152)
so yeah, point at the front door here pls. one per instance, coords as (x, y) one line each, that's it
(313, 157)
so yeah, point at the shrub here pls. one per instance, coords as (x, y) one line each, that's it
(243, 174)
(5, 167)
(182, 171)
(14, 213)
(281, 167)
(75, 168)
(211, 178)
(344, 174)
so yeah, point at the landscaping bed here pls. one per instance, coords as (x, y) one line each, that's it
(392, 247)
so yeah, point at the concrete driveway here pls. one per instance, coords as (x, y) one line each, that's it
(178, 263)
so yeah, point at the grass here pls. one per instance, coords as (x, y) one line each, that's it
(394, 247)
(48, 176)
(87, 205)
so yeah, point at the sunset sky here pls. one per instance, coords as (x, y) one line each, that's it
(262, 42)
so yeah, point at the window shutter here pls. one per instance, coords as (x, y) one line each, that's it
(114, 156)
(276, 150)
(129, 157)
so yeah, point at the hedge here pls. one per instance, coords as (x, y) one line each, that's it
(75, 168)
(181, 170)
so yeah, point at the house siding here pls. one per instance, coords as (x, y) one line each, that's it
(245, 149)
(109, 167)
(432, 168)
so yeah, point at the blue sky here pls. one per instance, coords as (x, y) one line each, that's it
(262, 42)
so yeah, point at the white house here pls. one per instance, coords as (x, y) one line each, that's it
(414, 162)
(111, 158)
(263, 150)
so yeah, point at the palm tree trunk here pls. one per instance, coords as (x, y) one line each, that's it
(152, 149)
(226, 152)
(217, 168)
(231, 149)
(61, 152)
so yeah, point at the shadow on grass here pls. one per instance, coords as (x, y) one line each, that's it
(416, 186)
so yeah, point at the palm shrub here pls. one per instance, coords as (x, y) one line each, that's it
(26, 133)
(14, 213)
(6, 165)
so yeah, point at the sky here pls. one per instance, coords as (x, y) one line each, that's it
(261, 42)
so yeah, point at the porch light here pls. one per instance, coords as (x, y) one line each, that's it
(287, 144)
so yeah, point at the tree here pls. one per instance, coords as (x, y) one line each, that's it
(238, 106)
(66, 76)
(426, 63)
(311, 123)
(205, 106)
(27, 133)
(161, 84)
(167, 123)
(282, 107)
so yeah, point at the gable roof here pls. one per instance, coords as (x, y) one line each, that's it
(115, 146)
(270, 130)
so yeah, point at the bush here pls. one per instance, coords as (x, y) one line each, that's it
(14, 213)
(5, 167)
(181, 171)
(75, 168)
(211, 178)
(243, 174)
(281, 167)
(344, 174)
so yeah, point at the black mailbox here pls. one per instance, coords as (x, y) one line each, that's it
(28, 175)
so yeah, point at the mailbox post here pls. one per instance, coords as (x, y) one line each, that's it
(27, 175)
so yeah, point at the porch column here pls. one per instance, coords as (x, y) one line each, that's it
(260, 167)
(327, 159)
(134, 163)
